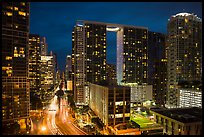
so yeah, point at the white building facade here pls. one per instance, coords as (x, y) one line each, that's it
(190, 98)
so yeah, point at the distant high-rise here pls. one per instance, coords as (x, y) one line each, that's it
(44, 46)
(15, 84)
(55, 65)
(34, 63)
(89, 54)
(157, 71)
(47, 72)
(184, 43)
(68, 68)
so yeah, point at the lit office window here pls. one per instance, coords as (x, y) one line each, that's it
(22, 13)
(15, 52)
(8, 58)
(15, 8)
(9, 14)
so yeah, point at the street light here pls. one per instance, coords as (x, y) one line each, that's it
(43, 128)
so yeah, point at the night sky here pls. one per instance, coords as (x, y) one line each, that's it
(55, 20)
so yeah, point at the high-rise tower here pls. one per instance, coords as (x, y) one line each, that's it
(132, 56)
(157, 70)
(89, 55)
(34, 63)
(15, 84)
(68, 68)
(184, 44)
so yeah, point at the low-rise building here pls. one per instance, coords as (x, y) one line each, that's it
(179, 121)
(111, 104)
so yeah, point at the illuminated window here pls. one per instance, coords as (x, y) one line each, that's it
(145, 76)
(9, 70)
(21, 52)
(9, 14)
(16, 86)
(171, 86)
(9, 7)
(4, 68)
(15, 8)
(8, 58)
(23, 3)
(15, 52)
(163, 60)
(145, 57)
(145, 64)
(22, 13)
(186, 20)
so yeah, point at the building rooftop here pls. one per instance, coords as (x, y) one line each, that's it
(184, 115)
(185, 14)
(109, 25)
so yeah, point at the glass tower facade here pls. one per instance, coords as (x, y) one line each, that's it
(15, 84)
(34, 63)
(134, 55)
(157, 66)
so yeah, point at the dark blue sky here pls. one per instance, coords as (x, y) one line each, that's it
(55, 20)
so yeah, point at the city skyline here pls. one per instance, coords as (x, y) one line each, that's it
(137, 14)
(122, 77)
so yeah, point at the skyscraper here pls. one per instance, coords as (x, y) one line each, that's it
(47, 73)
(68, 68)
(15, 84)
(55, 66)
(34, 63)
(132, 55)
(184, 52)
(157, 63)
(89, 54)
